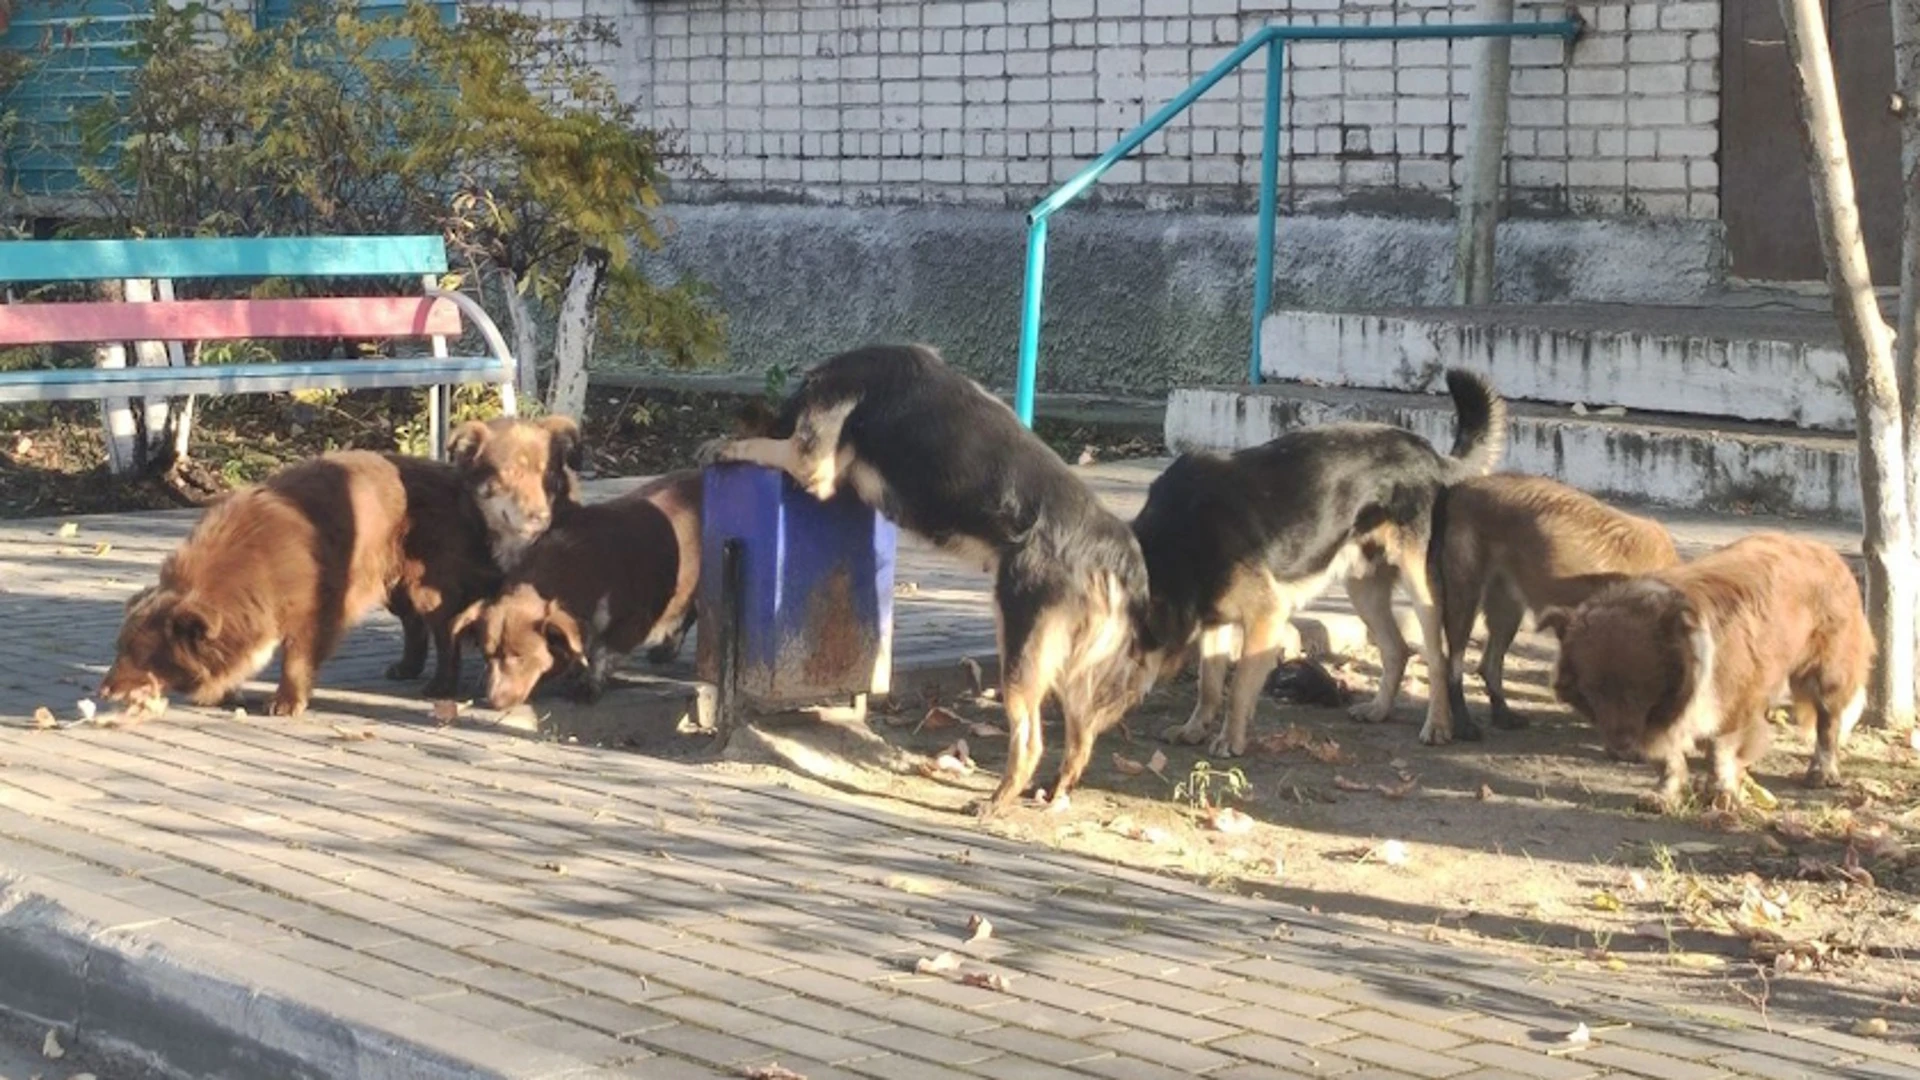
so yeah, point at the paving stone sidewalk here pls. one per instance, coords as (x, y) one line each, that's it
(284, 898)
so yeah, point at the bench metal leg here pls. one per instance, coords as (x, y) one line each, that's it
(439, 413)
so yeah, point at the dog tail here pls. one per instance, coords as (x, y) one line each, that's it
(1480, 434)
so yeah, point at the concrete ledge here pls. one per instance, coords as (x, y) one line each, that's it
(1663, 460)
(1773, 366)
(189, 1004)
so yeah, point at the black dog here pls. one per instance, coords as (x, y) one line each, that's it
(941, 457)
(1236, 544)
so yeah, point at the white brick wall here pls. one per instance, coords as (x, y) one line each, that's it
(993, 101)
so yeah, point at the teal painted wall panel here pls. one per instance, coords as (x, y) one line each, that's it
(79, 51)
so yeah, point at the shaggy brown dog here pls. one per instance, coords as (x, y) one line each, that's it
(604, 580)
(292, 562)
(521, 473)
(1697, 652)
(1513, 545)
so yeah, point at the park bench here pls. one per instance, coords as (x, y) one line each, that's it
(434, 315)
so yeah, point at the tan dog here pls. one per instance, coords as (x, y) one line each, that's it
(605, 579)
(1512, 545)
(521, 473)
(1697, 652)
(288, 564)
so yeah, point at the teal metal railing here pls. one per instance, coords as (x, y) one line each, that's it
(1273, 39)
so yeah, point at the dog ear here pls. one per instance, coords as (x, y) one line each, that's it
(466, 441)
(188, 623)
(558, 622)
(1555, 620)
(464, 622)
(568, 444)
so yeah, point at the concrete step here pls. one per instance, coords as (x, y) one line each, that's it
(1780, 364)
(1656, 458)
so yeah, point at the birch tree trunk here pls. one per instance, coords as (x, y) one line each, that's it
(116, 413)
(522, 334)
(1888, 541)
(1906, 360)
(156, 415)
(574, 332)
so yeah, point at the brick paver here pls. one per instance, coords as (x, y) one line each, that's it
(665, 919)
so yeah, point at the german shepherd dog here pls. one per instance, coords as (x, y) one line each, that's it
(1236, 544)
(935, 453)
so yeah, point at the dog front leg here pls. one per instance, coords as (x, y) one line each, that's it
(297, 669)
(1216, 649)
(1266, 639)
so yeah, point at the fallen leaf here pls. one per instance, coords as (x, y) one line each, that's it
(23, 445)
(1229, 821)
(955, 760)
(1580, 1035)
(985, 980)
(551, 867)
(1157, 764)
(1345, 784)
(1697, 961)
(917, 886)
(1759, 796)
(1695, 847)
(1486, 792)
(1400, 790)
(1606, 901)
(1637, 881)
(938, 718)
(87, 710)
(946, 961)
(983, 730)
(50, 1048)
(68, 531)
(1872, 1027)
(973, 673)
(352, 734)
(1126, 766)
(1086, 456)
(43, 718)
(1291, 737)
(979, 928)
(771, 1071)
(445, 711)
(1326, 752)
(1393, 853)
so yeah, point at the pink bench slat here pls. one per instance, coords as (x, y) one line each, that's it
(227, 320)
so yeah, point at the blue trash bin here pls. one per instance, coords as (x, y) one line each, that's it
(816, 621)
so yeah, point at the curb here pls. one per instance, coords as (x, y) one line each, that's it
(185, 1003)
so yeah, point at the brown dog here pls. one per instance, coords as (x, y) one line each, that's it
(1697, 652)
(604, 580)
(290, 563)
(1512, 545)
(520, 473)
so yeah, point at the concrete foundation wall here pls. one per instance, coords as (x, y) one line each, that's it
(1136, 301)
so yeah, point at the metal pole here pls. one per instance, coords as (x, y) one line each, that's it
(1479, 208)
(1269, 199)
(1030, 319)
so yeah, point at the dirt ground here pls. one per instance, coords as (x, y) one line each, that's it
(1529, 843)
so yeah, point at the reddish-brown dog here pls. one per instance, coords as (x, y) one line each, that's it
(290, 563)
(1508, 545)
(1696, 653)
(604, 580)
(521, 473)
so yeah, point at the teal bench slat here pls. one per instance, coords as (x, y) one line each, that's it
(258, 257)
(92, 384)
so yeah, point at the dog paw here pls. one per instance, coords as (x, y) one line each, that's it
(1432, 734)
(1657, 802)
(1186, 734)
(1823, 774)
(1467, 730)
(1507, 720)
(714, 451)
(402, 671)
(1371, 713)
(285, 704)
(1223, 747)
(1060, 803)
